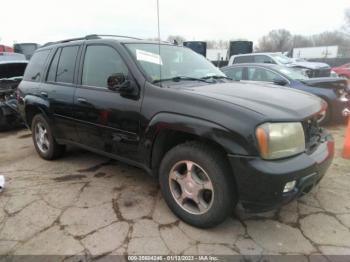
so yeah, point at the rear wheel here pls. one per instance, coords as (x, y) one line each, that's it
(44, 142)
(197, 185)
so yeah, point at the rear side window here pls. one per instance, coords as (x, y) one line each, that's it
(51, 76)
(263, 59)
(235, 73)
(243, 59)
(66, 64)
(36, 66)
(101, 65)
(260, 74)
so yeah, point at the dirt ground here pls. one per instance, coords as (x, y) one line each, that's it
(85, 204)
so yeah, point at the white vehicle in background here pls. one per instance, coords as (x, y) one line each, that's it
(312, 69)
(315, 52)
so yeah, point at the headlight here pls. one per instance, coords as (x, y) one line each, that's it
(278, 140)
(333, 74)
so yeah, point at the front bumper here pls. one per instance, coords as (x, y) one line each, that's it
(9, 116)
(260, 183)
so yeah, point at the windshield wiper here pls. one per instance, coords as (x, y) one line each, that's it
(180, 78)
(216, 77)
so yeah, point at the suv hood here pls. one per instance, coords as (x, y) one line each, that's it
(310, 65)
(271, 101)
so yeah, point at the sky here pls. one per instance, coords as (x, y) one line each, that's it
(42, 21)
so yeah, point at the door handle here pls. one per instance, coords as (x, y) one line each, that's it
(44, 94)
(81, 100)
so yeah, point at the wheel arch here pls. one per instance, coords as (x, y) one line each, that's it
(167, 130)
(34, 105)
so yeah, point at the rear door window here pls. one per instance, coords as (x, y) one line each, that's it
(36, 66)
(66, 64)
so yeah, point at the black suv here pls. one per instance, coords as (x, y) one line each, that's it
(210, 141)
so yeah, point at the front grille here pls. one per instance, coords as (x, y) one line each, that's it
(312, 134)
(323, 72)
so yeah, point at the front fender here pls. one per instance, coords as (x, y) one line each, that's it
(232, 142)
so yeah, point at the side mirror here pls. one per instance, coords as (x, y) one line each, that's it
(119, 83)
(280, 81)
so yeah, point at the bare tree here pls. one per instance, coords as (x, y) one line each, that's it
(347, 22)
(276, 41)
(178, 38)
(301, 41)
(330, 38)
(264, 45)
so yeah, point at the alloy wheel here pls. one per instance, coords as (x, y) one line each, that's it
(41, 137)
(191, 187)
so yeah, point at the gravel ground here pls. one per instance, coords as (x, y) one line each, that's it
(85, 204)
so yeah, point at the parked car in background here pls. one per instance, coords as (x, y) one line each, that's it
(343, 71)
(27, 49)
(5, 48)
(312, 69)
(333, 90)
(10, 56)
(11, 73)
(210, 141)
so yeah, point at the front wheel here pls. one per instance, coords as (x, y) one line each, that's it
(44, 142)
(197, 185)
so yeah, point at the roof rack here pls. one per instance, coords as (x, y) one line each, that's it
(89, 37)
(98, 36)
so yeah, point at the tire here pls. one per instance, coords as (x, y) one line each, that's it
(209, 167)
(51, 150)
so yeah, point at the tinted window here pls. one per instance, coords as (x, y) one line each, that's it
(102, 64)
(66, 64)
(263, 59)
(235, 73)
(36, 66)
(51, 76)
(243, 59)
(260, 74)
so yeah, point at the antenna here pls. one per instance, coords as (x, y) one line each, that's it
(160, 69)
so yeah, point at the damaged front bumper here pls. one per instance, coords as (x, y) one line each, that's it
(9, 116)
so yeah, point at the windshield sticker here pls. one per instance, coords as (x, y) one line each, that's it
(142, 55)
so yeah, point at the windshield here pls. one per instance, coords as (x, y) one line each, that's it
(281, 59)
(173, 61)
(295, 74)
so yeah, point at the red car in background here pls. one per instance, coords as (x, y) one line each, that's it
(4, 48)
(343, 71)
